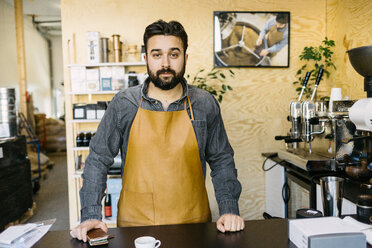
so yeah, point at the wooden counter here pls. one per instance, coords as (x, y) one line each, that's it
(257, 233)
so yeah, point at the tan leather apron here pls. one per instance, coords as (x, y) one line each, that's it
(163, 181)
(274, 36)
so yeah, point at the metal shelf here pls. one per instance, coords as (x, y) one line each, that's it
(85, 121)
(102, 92)
(109, 64)
(81, 148)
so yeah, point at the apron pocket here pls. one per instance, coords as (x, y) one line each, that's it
(136, 208)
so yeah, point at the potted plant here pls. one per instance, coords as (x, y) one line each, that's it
(315, 58)
(213, 81)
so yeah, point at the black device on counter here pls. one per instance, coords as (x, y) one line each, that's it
(132, 80)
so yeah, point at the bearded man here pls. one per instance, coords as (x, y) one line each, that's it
(166, 131)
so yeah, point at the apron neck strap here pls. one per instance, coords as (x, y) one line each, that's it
(188, 100)
(191, 112)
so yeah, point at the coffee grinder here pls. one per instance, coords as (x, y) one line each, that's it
(361, 115)
(361, 111)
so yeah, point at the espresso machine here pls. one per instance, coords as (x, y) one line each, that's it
(326, 139)
(310, 125)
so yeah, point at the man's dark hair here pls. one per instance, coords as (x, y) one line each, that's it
(282, 18)
(165, 28)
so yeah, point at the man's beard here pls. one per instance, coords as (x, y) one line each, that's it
(158, 82)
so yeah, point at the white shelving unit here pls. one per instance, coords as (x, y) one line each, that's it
(81, 148)
(109, 64)
(85, 121)
(73, 126)
(102, 92)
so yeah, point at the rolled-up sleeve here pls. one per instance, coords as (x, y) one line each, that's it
(104, 146)
(220, 157)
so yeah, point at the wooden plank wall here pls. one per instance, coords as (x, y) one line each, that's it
(256, 110)
(349, 23)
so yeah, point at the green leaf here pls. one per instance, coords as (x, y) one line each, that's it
(222, 75)
(229, 87)
(231, 72)
(220, 98)
(224, 87)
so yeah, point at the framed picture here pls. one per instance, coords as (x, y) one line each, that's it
(251, 39)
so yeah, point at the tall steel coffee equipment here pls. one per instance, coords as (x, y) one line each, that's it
(332, 189)
(361, 111)
(309, 117)
(295, 114)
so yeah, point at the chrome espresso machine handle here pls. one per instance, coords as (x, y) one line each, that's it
(308, 113)
(295, 113)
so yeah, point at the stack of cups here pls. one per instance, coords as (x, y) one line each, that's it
(335, 96)
(332, 189)
(8, 113)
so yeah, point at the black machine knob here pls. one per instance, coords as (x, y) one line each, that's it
(314, 121)
(319, 77)
(329, 136)
(306, 78)
(281, 137)
(292, 140)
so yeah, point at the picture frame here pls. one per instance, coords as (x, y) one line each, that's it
(251, 39)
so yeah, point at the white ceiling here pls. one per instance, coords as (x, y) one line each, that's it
(43, 11)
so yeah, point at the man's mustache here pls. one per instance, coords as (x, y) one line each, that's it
(165, 71)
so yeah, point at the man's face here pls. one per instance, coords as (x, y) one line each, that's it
(166, 61)
(280, 25)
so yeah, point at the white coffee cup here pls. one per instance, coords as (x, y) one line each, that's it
(146, 242)
(336, 95)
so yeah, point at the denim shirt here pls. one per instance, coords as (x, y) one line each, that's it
(113, 133)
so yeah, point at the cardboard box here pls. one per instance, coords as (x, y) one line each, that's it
(78, 78)
(91, 111)
(80, 111)
(105, 78)
(92, 76)
(118, 78)
(93, 47)
(101, 109)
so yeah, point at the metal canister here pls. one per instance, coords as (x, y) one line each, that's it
(8, 113)
(364, 208)
(105, 51)
(117, 47)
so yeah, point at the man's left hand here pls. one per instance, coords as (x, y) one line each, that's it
(264, 52)
(230, 223)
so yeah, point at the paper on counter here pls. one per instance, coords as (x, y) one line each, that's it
(24, 236)
(362, 227)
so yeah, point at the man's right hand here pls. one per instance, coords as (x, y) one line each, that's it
(80, 232)
(259, 42)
